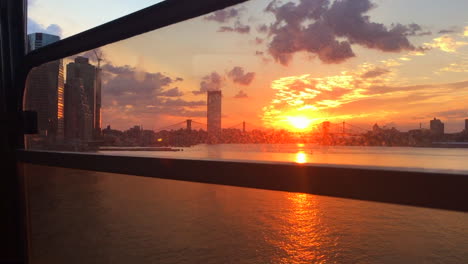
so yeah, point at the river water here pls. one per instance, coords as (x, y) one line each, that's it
(90, 217)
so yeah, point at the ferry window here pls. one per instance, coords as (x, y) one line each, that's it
(270, 81)
(301, 99)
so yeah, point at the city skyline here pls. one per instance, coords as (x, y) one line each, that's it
(404, 85)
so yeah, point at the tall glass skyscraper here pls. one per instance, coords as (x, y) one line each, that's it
(38, 40)
(45, 92)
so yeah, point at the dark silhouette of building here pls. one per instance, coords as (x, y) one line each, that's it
(437, 127)
(98, 103)
(80, 95)
(78, 115)
(45, 92)
(466, 125)
(189, 124)
(214, 113)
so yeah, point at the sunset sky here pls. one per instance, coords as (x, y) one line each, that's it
(279, 63)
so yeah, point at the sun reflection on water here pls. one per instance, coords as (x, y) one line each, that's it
(303, 238)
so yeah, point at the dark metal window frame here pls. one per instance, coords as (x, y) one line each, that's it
(442, 190)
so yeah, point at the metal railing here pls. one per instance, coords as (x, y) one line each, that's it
(437, 189)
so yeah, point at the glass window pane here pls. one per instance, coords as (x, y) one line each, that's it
(67, 18)
(89, 217)
(334, 82)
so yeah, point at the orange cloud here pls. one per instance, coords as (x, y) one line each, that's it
(446, 43)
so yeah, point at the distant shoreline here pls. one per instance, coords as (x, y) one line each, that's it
(139, 149)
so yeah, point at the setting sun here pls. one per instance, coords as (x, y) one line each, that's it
(299, 122)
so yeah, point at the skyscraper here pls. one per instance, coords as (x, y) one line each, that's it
(97, 111)
(437, 127)
(45, 92)
(81, 82)
(78, 115)
(214, 112)
(466, 125)
(38, 40)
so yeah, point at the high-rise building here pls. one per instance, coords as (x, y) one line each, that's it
(466, 125)
(81, 75)
(78, 115)
(97, 111)
(38, 40)
(45, 92)
(80, 100)
(214, 112)
(437, 127)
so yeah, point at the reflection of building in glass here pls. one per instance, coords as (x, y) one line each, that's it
(45, 91)
(437, 127)
(80, 100)
(214, 112)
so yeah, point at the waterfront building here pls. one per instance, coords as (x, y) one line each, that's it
(80, 101)
(45, 92)
(437, 127)
(214, 112)
(78, 115)
(81, 78)
(98, 103)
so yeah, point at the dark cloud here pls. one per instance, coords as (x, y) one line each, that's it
(211, 82)
(126, 88)
(328, 30)
(374, 73)
(447, 31)
(241, 95)
(416, 30)
(128, 85)
(237, 75)
(118, 69)
(450, 30)
(453, 114)
(225, 15)
(238, 27)
(34, 27)
(262, 28)
(173, 92)
(181, 102)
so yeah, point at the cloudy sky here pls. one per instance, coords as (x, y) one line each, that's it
(392, 62)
